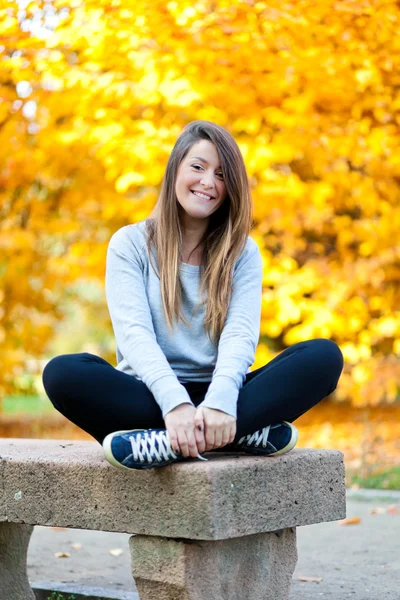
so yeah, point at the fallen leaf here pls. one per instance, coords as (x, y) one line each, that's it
(59, 528)
(393, 509)
(310, 579)
(377, 511)
(62, 555)
(116, 551)
(76, 546)
(350, 521)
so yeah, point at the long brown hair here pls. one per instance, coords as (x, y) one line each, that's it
(224, 240)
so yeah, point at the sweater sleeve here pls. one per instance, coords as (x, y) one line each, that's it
(133, 326)
(240, 334)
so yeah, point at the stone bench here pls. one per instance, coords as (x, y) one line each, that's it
(218, 530)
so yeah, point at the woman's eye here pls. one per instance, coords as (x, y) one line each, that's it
(199, 166)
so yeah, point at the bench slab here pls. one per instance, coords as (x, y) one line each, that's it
(70, 484)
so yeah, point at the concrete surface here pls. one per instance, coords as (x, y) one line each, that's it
(357, 562)
(251, 567)
(71, 484)
(14, 541)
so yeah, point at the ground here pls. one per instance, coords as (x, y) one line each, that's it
(358, 562)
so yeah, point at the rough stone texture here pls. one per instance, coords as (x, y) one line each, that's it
(2, 492)
(254, 567)
(70, 484)
(14, 540)
(350, 559)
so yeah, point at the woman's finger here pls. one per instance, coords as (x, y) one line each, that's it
(226, 435)
(199, 430)
(218, 437)
(192, 443)
(173, 440)
(183, 442)
(200, 439)
(232, 433)
(210, 438)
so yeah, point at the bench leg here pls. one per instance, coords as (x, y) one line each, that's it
(255, 567)
(14, 540)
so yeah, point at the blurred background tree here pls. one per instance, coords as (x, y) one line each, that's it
(92, 98)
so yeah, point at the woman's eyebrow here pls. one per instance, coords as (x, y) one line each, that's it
(202, 160)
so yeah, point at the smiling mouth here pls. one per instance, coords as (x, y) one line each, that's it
(203, 196)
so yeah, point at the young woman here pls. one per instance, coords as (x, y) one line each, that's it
(184, 291)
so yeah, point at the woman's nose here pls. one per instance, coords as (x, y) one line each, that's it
(207, 180)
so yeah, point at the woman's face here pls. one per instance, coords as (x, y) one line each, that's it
(200, 173)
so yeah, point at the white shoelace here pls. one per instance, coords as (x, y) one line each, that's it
(144, 447)
(258, 437)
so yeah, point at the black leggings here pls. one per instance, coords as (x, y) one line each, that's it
(99, 399)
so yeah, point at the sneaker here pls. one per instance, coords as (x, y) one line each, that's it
(140, 449)
(273, 439)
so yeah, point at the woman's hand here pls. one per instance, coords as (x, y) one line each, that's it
(218, 428)
(181, 430)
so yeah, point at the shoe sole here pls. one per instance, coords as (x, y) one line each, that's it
(293, 441)
(108, 452)
(287, 448)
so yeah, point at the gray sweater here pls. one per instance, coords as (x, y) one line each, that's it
(163, 361)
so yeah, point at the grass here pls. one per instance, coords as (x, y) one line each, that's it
(27, 405)
(60, 596)
(382, 479)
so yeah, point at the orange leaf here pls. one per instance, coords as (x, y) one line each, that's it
(393, 509)
(351, 521)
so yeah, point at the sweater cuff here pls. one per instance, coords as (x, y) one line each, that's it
(222, 394)
(169, 393)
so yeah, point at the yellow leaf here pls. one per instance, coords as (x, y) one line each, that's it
(310, 579)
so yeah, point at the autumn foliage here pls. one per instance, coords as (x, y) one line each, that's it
(92, 98)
